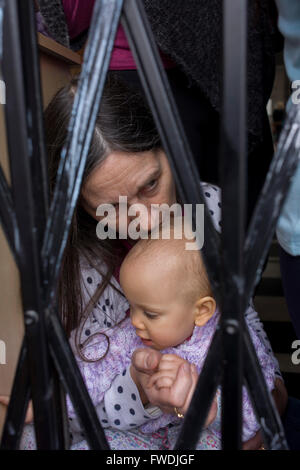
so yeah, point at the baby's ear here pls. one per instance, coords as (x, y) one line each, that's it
(204, 309)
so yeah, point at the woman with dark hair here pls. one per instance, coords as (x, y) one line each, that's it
(125, 158)
(189, 36)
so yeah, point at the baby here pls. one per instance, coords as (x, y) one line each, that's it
(172, 309)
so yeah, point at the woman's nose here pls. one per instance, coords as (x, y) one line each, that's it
(142, 213)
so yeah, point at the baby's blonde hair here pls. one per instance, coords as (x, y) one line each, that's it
(146, 250)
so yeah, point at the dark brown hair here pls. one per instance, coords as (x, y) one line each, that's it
(124, 123)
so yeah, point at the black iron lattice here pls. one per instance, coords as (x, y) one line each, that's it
(37, 230)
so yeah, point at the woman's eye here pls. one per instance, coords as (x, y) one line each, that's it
(151, 185)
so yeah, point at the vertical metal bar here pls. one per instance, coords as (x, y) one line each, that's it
(20, 151)
(32, 82)
(233, 183)
(38, 164)
(35, 128)
(164, 109)
(208, 382)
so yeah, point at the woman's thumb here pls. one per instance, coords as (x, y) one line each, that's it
(4, 399)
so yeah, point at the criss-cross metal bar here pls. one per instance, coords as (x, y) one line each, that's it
(47, 367)
(8, 216)
(81, 127)
(18, 111)
(271, 199)
(233, 169)
(39, 172)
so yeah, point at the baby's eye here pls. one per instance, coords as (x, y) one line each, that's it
(150, 315)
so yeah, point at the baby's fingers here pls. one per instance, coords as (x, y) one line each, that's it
(166, 374)
(163, 382)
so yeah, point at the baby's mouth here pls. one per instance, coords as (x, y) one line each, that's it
(147, 342)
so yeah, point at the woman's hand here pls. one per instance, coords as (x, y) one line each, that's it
(4, 400)
(280, 396)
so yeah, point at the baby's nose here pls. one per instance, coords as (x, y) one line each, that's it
(136, 321)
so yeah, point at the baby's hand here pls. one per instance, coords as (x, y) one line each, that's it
(145, 364)
(166, 376)
(167, 371)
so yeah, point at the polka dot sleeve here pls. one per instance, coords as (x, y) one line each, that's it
(121, 408)
(213, 198)
(107, 310)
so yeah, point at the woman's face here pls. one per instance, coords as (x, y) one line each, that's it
(144, 178)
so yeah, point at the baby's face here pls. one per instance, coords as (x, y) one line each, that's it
(159, 310)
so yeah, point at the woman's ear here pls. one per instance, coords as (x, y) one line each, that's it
(203, 310)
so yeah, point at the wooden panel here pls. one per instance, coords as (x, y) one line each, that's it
(58, 65)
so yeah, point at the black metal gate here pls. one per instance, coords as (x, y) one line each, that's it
(37, 228)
